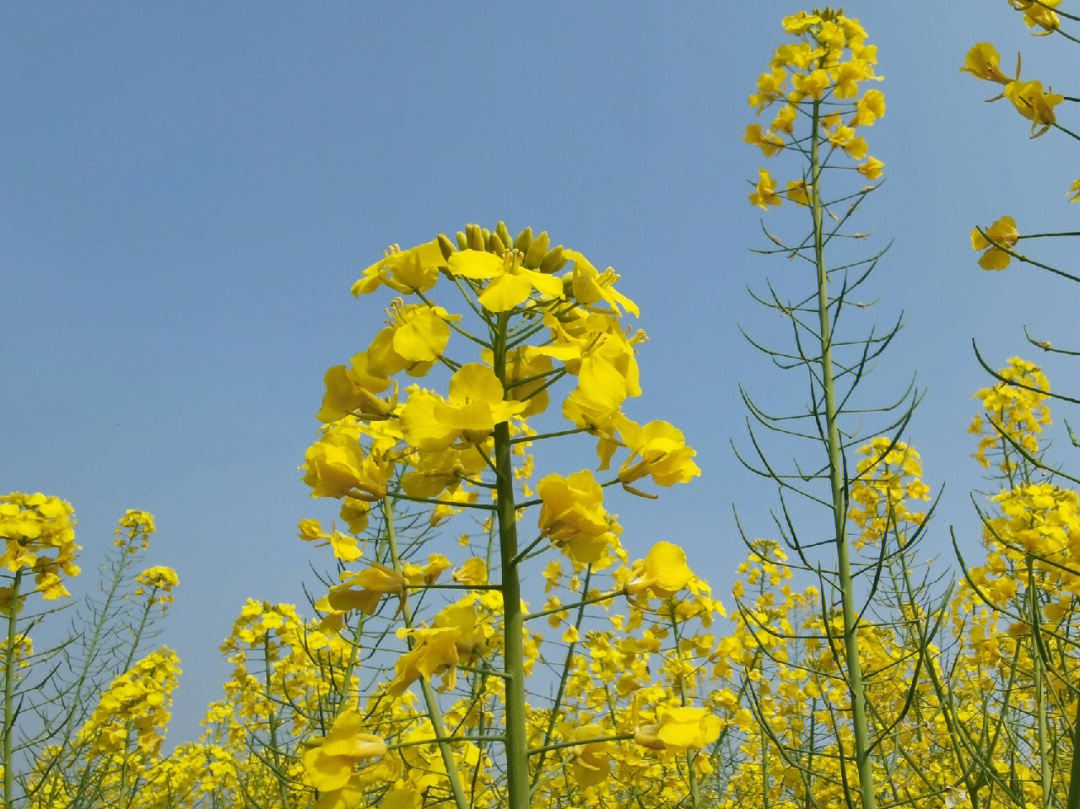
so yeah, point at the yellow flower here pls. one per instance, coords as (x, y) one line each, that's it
(765, 192)
(982, 62)
(847, 75)
(475, 405)
(363, 591)
(440, 648)
(843, 137)
(682, 728)
(474, 571)
(329, 763)
(785, 119)
(871, 169)
(814, 85)
(657, 450)
(797, 192)
(869, 108)
(1002, 232)
(1074, 191)
(664, 571)
(336, 465)
(589, 763)
(1035, 105)
(800, 23)
(591, 286)
(160, 578)
(352, 390)
(510, 285)
(573, 516)
(768, 142)
(408, 271)
(1039, 14)
(679, 729)
(769, 86)
(417, 336)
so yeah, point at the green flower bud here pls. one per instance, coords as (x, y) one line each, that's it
(446, 247)
(535, 254)
(523, 240)
(553, 261)
(504, 234)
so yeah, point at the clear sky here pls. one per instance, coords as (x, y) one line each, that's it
(188, 190)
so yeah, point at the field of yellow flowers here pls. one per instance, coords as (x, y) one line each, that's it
(845, 669)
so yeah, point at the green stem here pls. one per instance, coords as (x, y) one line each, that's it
(517, 752)
(1073, 801)
(139, 632)
(553, 719)
(430, 700)
(346, 679)
(695, 794)
(283, 787)
(1040, 696)
(9, 689)
(838, 487)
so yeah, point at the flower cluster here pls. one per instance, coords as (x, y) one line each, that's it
(825, 64)
(39, 537)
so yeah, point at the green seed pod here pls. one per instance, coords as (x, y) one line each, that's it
(553, 261)
(535, 254)
(446, 247)
(523, 240)
(504, 234)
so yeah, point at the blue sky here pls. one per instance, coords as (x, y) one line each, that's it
(187, 192)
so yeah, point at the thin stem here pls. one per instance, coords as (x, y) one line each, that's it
(695, 794)
(9, 688)
(275, 753)
(434, 713)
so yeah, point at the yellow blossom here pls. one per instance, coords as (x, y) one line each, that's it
(330, 761)
(1003, 232)
(765, 191)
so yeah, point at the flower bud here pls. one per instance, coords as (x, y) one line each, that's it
(535, 254)
(523, 240)
(446, 247)
(504, 234)
(553, 261)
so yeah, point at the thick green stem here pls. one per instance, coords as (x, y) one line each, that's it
(837, 485)
(517, 752)
(430, 700)
(9, 688)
